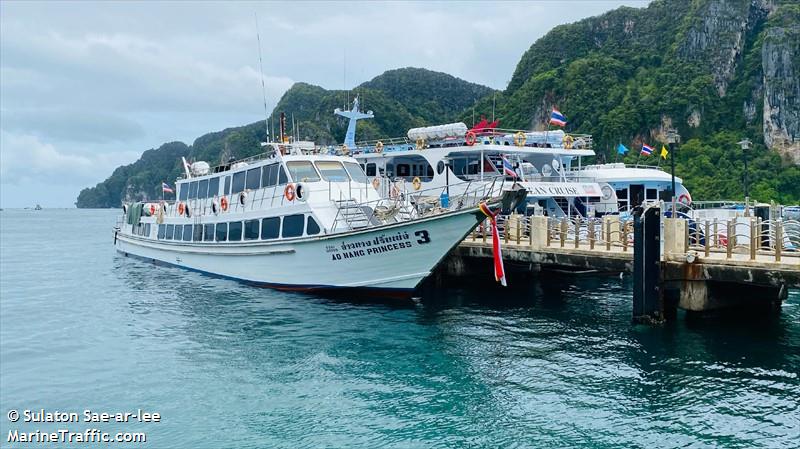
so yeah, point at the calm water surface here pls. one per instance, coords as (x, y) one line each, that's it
(552, 363)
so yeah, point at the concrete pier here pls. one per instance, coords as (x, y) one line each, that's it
(695, 273)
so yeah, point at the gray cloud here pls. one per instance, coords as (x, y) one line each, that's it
(93, 84)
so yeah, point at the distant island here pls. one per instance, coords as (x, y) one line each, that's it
(717, 70)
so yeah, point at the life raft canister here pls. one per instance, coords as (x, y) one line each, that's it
(288, 192)
(471, 138)
(416, 182)
(223, 203)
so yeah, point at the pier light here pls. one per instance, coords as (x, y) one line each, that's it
(745, 144)
(673, 138)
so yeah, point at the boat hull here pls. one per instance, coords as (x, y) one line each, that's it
(389, 260)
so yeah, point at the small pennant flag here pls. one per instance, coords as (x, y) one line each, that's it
(647, 150)
(508, 168)
(557, 118)
(621, 149)
(664, 152)
(166, 188)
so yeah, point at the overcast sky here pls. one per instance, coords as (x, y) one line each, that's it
(86, 87)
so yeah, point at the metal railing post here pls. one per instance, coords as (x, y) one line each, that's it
(708, 239)
(778, 240)
(753, 239)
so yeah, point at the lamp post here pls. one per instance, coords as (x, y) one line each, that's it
(745, 144)
(672, 138)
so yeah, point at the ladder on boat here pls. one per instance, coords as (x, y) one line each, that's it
(350, 214)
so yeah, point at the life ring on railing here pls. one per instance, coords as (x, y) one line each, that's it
(288, 192)
(345, 150)
(568, 140)
(394, 192)
(420, 144)
(243, 197)
(181, 208)
(223, 203)
(416, 183)
(470, 138)
(376, 183)
(215, 205)
(152, 209)
(379, 147)
(685, 199)
(520, 138)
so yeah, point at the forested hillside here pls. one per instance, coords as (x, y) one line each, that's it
(717, 70)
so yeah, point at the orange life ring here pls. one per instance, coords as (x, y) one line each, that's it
(471, 138)
(223, 203)
(376, 183)
(152, 209)
(181, 208)
(288, 192)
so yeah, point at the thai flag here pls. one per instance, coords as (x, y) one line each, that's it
(557, 118)
(647, 150)
(508, 168)
(166, 188)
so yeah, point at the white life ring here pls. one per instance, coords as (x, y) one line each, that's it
(301, 192)
(215, 205)
(243, 197)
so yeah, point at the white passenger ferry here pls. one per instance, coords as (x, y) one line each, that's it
(295, 219)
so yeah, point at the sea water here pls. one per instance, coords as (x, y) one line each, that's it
(552, 361)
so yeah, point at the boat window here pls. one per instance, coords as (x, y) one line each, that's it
(356, 173)
(238, 182)
(332, 171)
(251, 230)
(169, 232)
(178, 232)
(390, 170)
(371, 169)
(202, 189)
(312, 228)
(187, 233)
(184, 191)
(302, 171)
(652, 194)
(253, 179)
(208, 232)
(622, 194)
(293, 225)
(198, 233)
(162, 231)
(403, 170)
(213, 187)
(193, 190)
(269, 175)
(222, 232)
(282, 178)
(235, 231)
(227, 185)
(270, 228)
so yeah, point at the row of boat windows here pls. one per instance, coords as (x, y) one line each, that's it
(235, 231)
(272, 175)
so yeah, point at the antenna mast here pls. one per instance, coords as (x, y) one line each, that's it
(263, 88)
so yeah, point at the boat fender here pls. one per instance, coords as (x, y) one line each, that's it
(470, 138)
(243, 197)
(519, 139)
(376, 183)
(215, 205)
(416, 182)
(568, 141)
(288, 192)
(223, 203)
(301, 192)
(181, 208)
(379, 147)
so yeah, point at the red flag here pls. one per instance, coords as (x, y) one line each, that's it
(499, 269)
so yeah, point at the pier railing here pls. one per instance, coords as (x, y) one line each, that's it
(740, 238)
